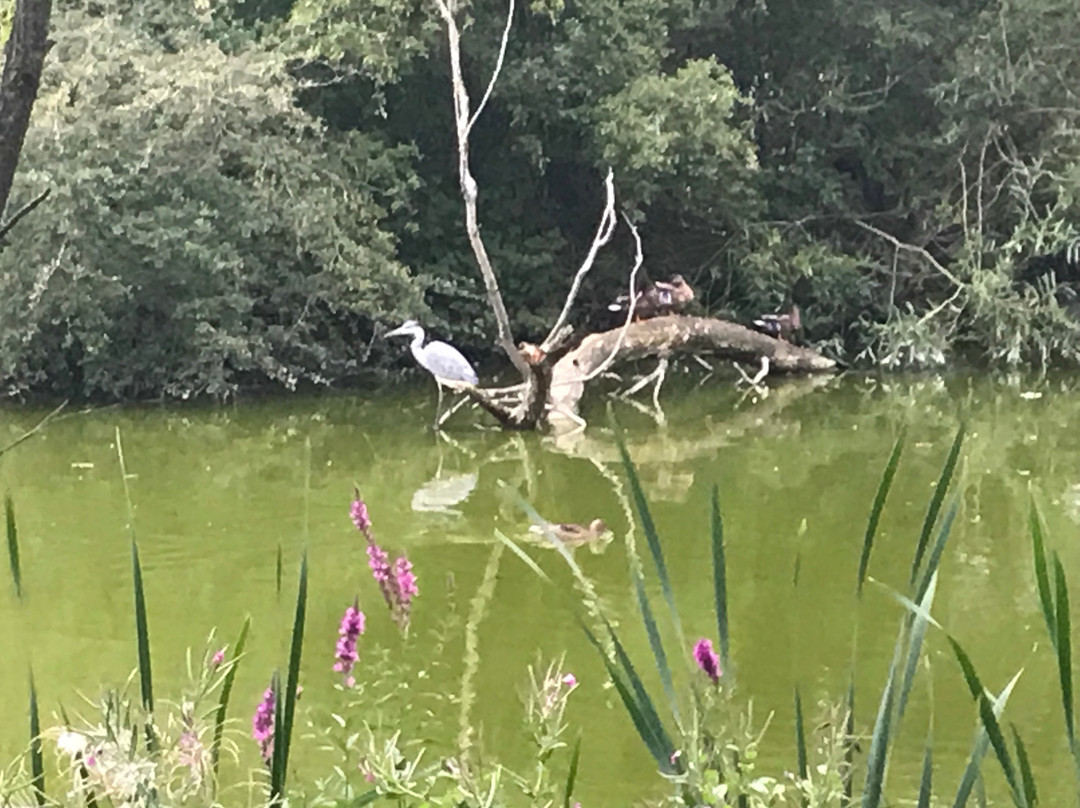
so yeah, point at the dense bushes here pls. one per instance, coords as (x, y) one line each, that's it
(242, 189)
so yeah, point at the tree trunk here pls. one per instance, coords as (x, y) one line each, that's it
(24, 57)
(673, 334)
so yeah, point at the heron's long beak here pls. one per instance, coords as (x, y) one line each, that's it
(397, 332)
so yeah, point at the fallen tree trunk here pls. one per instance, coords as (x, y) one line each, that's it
(663, 336)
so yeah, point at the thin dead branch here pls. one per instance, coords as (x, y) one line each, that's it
(604, 231)
(24, 211)
(912, 248)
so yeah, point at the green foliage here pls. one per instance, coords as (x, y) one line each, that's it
(205, 232)
(684, 136)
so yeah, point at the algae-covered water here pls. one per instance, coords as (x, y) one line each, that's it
(217, 490)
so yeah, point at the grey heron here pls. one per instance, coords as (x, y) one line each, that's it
(440, 359)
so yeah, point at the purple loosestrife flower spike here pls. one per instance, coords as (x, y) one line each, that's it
(405, 581)
(262, 725)
(707, 659)
(359, 514)
(352, 626)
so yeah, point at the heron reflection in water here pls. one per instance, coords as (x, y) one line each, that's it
(440, 359)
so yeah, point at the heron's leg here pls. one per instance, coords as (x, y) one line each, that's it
(438, 406)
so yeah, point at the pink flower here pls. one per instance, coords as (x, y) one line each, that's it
(262, 724)
(570, 681)
(405, 581)
(217, 658)
(352, 626)
(359, 514)
(707, 659)
(379, 562)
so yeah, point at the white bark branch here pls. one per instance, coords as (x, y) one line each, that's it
(462, 124)
(498, 68)
(604, 231)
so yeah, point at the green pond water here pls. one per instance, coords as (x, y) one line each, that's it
(216, 490)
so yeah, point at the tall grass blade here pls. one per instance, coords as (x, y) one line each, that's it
(1027, 778)
(1042, 579)
(13, 545)
(982, 743)
(800, 737)
(37, 759)
(642, 697)
(571, 776)
(655, 643)
(878, 756)
(720, 582)
(142, 633)
(522, 555)
(288, 698)
(936, 501)
(926, 782)
(648, 527)
(645, 728)
(920, 622)
(989, 722)
(1063, 647)
(934, 561)
(875, 510)
(277, 755)
(226, 692)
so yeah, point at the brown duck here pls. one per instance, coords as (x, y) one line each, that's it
(570, 533)
(657, 299)
(780, 326)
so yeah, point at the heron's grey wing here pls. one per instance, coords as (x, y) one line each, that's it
(446, 362)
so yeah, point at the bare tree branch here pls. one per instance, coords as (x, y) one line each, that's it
(23, 211)
(604, 232)
(24, 58)
(498, 68)
(922, 251)
(469, 192)
(639, 258)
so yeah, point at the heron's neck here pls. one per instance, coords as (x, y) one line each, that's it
(417, 345)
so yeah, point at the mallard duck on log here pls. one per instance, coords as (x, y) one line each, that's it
(780, 325)
(657, 299)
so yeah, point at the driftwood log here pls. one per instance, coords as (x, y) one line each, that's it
(664, 336)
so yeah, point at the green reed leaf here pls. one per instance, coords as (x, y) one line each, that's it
(646, 728)
(934, 561)
(875, 510)
(1042, 579)
(720, 582)
(1063, 647)
(926, 781)
(13, 545)
(982, 744)
(800, 737)
(919, 624)
(1027, 777)
(990, 722)
(936, 501)
(226, 692)
(277, 573)
(648, 527)
(37, 759)
(655, 643)
(642, 697)
(142, 633)
(571, 775)
(277, 755)
(878, 756)
(284, 740)
(522, 555)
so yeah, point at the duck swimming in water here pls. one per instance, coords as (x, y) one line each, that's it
(570, 533)
(780, 326)
(657, 299)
